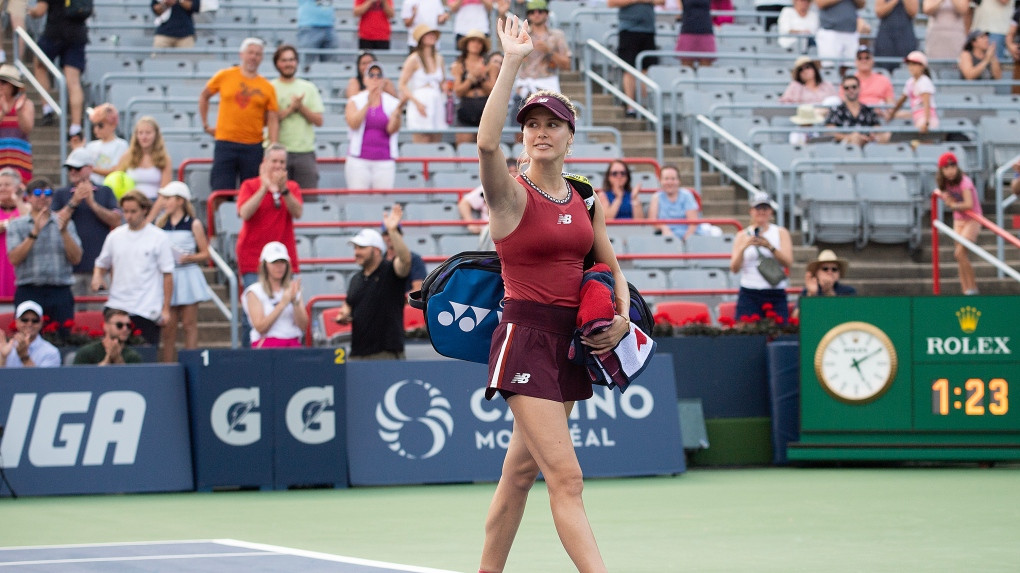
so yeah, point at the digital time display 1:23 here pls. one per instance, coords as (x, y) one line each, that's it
(974, 398)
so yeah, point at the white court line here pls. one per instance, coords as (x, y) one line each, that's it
(108, 544)
(328, 557)
(136, 558)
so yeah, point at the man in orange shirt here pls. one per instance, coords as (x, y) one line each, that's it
(247, 106)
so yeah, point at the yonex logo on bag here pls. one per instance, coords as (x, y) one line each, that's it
(564, 219)
(521, 378)
(466, 323)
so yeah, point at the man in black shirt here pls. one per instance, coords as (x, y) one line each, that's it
(376, 296)
(852, 113)
(63, 41)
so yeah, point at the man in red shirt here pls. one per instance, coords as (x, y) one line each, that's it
(374, 23)
(876, 89)
(267, 205)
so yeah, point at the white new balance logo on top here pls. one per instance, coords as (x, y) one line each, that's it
(520, 378)
(564, 219)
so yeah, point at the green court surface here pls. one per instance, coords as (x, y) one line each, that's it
(953, 519)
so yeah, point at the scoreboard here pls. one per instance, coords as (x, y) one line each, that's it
(909, 378)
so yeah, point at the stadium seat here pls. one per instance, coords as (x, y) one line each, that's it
(679, 313)
(330, 331)
(90, 319)
(831, 209)
(892, 214)
(413, 318)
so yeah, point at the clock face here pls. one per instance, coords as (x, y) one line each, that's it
(855, 362)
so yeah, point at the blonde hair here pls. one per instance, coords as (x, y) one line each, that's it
(264, 277)
(523, 159)
(188, 208)
(133, 158)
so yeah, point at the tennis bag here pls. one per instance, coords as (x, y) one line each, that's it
(462, 300)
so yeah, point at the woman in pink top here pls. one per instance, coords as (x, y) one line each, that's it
(807, 85)
(542, 233)
(958, 193)
(11, 207)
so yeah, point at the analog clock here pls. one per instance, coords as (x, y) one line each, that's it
(855, 362)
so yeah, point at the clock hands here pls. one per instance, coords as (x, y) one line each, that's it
(863, 358)
(857, 366)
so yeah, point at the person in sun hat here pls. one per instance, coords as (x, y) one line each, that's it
(823, 276)
(806, 84)
(26, 348)
(421, 81)
(376, 296)
(17, 119)
(273, 304)
(472, 81)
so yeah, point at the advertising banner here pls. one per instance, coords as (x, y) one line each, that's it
(92, 429)
(428, 422)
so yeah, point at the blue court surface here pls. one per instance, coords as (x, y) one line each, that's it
(213, 555)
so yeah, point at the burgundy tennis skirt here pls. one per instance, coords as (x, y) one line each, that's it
(528, 355)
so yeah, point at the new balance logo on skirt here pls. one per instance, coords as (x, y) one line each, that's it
(520, 378)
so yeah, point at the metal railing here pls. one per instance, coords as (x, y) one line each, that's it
(654, 115)
(938, 226)
(1001, 204)
(232, 294)
(58, 108)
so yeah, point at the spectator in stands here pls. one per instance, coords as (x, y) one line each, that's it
(1013, 45)
(959, 195)
(470, 15)
(247, 105)
(93, 209)
(673, 202)
(357, 83)
(770, 10)
(300, 113)
(26, 349)
(414, 13)
(43, 246)
(17, 118)
(541, 69)
(637, 33)
(471, 81)
(920, 91)
(823, 274)
(978, 60)
(895, 37)
(541, 308)
(801, 19)
(268, 205)
(147, 161)
(107, 149)
(876, 89)
(12, 206)
(837, 36)
(852, 113)
(696, 34)
(761, 239)
(421, 82)
(373, 117)
(472, 205)
(722, 6)
(190, 249)
(947, 27)
(62, 40)
(374, 23)
(273, 304)
(376, 296)
(807, 85)
(16, 12)
(418, 271)
(113, 347)
(620, 198)
(315, 30)
(993, 18)
(175, 26)
(140, 259)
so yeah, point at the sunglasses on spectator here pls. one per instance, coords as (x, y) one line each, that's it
(829, 269)
(617, 173)
(375, 75)
(42, 192)
(30, 320)
(119, 325)
(851, 87)
(541, 11)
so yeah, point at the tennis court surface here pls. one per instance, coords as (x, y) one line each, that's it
(213, 555)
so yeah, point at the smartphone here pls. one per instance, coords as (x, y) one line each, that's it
(757, 232)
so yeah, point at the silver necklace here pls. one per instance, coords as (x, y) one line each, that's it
(562, 201)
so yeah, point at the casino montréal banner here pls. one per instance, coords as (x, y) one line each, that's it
(429, 422)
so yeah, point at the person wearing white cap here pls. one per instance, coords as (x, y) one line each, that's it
(141, 259)
(26, 348)
(43, 246)
(273, 304)
(760, 292)
(191, 248)
(94, 210)
(376, 296)
(247, 106)
(17, 118)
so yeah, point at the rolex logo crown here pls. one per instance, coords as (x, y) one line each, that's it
(968, 317)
